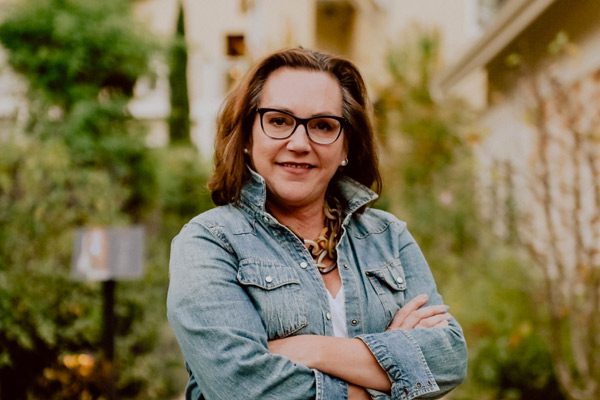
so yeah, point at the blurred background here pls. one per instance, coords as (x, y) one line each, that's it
(488, 118)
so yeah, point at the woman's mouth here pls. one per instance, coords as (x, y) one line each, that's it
(296, 165)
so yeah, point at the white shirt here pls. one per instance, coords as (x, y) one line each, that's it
(338, 313)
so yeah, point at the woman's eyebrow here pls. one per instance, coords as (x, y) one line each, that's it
(289, 111)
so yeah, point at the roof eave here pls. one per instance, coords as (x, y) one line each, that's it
(512, 19)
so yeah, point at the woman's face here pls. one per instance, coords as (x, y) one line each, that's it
(298, 170)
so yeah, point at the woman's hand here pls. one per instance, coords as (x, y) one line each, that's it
(414, 315)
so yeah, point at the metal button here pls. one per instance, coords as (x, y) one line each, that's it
(269, 279)
(419, 385)
(303, 264)
(328, 316)
(266, 219)
(399, 279)
(354, 322)
(345, 266)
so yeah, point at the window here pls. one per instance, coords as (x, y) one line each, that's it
(236, 46)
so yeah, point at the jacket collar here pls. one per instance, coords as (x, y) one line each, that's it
(356, 195)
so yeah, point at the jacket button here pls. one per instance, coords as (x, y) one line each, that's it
(268, 279)
(303, 264)
(328, 316)
(345, 266)
(399, 279)
(354, 322)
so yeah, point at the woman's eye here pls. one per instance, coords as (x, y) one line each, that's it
(277, 121)
(280, 121)
(323, 125)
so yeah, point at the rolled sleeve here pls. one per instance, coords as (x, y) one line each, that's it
(417, 373)
(401, 357)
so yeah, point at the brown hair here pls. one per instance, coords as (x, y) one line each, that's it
(239, 110)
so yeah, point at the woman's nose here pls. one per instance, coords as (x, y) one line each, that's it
(299, 140)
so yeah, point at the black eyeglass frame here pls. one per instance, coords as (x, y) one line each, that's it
(301, 121)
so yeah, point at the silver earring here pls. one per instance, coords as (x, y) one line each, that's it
(246, 151)
(344, 162)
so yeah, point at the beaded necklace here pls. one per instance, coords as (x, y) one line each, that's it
(324, 245)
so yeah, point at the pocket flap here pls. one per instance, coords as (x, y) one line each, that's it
(391, 274)
(266, 275)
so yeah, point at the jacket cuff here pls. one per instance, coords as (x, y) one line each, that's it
(401, 357)
(329, 387)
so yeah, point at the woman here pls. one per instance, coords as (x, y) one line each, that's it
(293, 288)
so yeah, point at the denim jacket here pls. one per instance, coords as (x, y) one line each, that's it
(239, 278)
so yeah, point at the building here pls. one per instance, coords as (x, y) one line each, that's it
(532, 46)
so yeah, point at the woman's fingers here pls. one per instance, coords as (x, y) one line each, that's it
(404, 313)
(414, 315)
(435, 321)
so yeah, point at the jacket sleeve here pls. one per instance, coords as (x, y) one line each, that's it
(220, 332)
(424, 363)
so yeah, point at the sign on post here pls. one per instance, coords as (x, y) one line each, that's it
(108, 253)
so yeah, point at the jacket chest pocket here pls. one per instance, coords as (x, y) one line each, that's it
(277, 295)
(389, 283)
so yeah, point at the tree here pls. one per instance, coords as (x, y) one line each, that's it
(179, 120)
(81, 59)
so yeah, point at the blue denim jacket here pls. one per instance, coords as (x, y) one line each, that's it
(239, 278)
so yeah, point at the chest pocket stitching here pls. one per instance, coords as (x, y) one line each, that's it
(266, 276)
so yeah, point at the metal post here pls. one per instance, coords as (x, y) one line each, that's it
(108, 335)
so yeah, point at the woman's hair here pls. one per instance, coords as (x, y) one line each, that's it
(239, 111)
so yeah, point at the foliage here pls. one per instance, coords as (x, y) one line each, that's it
(504, 329)
(41, 201)
(429, 180)
(425, 159)
(70, 49)
(81, 59)
(82, 161)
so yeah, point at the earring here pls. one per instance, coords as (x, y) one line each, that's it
(246, 151)
(344, 162)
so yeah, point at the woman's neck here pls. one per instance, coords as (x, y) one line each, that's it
(306, 221)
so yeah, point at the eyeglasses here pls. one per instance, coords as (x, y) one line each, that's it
(279, 125)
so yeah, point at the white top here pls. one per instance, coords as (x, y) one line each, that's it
(338, 313)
